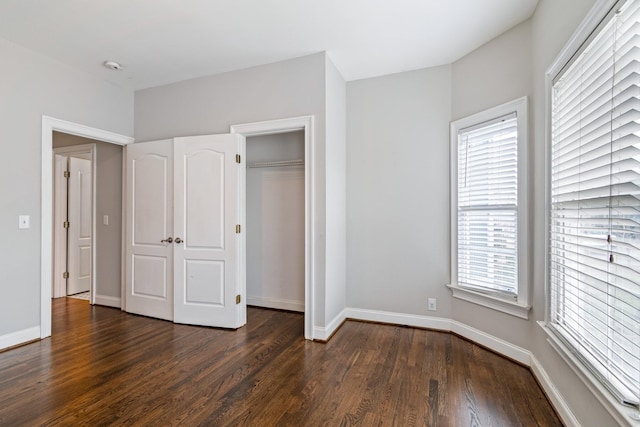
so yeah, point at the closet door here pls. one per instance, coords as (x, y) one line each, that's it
(205, 242)
(149, 225)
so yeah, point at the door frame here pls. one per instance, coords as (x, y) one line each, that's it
(60, 253)
(303, 123)
(49, 125)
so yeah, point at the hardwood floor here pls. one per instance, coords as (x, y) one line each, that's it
(105, 367)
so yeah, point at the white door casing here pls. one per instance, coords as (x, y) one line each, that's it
(79, 213)
(149, 225)
(304, 123)
(49, 125)
(205, 243)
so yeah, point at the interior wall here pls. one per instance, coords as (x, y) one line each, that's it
(510, 66)
(336, 193)
(275, 222)
(398, 192)
(108, 239)
(210, 105)
(504, 68)
(552, 25)
(35, 85)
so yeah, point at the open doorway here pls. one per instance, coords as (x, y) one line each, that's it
(275, 220)
(304, 125)
(89, 265)
(49, 126)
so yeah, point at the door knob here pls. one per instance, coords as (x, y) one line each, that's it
(167, 240)
(178, 240)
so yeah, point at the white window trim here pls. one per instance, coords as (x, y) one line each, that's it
(521, 306)
(624, 415)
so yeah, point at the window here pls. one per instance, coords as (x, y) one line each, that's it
(594, 219)
(488, 215)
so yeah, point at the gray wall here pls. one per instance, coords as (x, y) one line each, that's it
(336, 193)
(498, 72)
(108, 239)
(32, 85)
(210, 105)
(508, 67)
(398, 184)
(398, 191)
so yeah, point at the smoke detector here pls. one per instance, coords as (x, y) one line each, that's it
(112, 65)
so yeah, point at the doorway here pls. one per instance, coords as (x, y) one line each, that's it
(303, 124)
(49, 125)
(73, 228)
(275, 220)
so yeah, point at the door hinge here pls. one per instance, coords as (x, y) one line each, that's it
(238, 299)
(65, 224)
(67, 174)
(237, 228)
(65, 275)
(237, 158)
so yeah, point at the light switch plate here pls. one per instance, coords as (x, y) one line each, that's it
(23, 221)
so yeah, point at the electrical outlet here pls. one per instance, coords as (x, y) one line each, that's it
(23, 221)
(431, 304)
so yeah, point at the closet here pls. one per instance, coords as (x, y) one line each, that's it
(275, 221)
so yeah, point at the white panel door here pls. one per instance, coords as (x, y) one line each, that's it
(149, 220)
(80, 226)
(205, 217)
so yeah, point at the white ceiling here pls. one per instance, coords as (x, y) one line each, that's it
(163, 41)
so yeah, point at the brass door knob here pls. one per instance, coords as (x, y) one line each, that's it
(179, 240)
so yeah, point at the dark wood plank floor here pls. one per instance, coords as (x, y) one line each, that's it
(105, 367)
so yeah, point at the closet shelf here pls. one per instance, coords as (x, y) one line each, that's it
(283, 163)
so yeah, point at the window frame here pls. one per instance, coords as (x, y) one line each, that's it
(520, 306)
(596, 19)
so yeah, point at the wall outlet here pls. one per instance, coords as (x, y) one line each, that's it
(24, 221)
(431, 304)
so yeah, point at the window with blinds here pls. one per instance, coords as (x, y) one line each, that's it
(487, 207)
(594, 236)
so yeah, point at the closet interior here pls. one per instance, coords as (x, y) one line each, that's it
(275, 201)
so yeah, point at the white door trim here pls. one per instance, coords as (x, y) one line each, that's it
(85, 151)
(50, 124)
(304, 123)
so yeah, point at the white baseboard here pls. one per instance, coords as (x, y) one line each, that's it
(323, 334)
(19, 337)
(108, 301)
(280, 304)
(494, 343)
(554, 395)
(399, 319)
(442, 324)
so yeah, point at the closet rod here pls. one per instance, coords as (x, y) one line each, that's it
(276, 164)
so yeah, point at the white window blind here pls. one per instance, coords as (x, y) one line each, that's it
(488, 206)
(594, 254)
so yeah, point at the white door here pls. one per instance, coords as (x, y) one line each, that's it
(205, 242)
(61, 190)
(149, 226)
(79, 217)
(182, 209)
